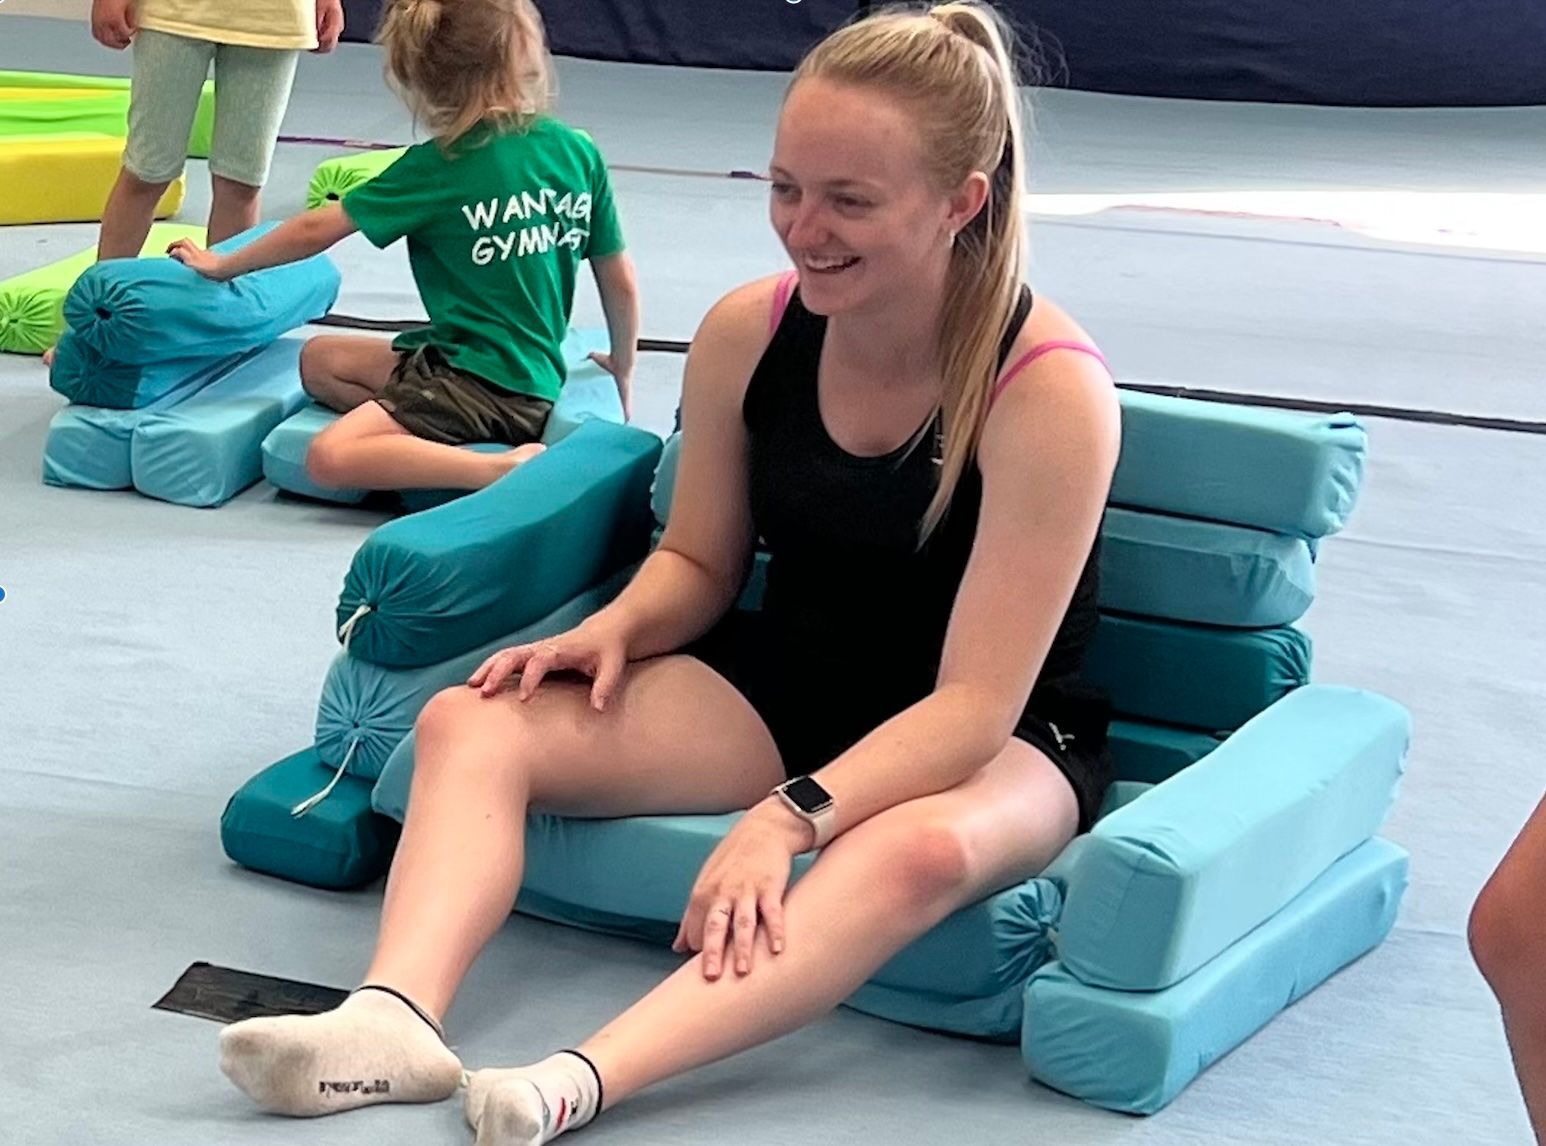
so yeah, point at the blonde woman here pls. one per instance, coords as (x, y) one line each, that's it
(927, 453)
(499, 209)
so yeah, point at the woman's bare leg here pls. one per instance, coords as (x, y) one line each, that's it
(870, 893)
(677, 738)
(1508, 939)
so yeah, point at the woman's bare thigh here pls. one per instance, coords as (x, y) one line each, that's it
(677, 737)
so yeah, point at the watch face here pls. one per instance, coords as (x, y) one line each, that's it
(807, 795)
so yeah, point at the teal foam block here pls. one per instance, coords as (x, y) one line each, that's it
(205, 450)
(339, 843)
(1159, 888)
(420, 591)
(91, 447)
(1134, 1051)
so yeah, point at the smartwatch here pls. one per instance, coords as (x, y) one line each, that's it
(813, 804)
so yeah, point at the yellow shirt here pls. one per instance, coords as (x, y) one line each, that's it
(248, 23)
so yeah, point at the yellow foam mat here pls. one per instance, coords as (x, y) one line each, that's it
(54, 93)
(65, 179)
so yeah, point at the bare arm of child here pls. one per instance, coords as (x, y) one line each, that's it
(619, 289)
(112, 23)
(295, 239)
(330, 24)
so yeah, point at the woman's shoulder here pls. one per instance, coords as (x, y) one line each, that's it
(1048, 324)
(1053, 379)
(748, 313)
(1050, 343)
(732, 338)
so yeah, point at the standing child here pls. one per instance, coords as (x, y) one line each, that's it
(499, 209)
(253, 46)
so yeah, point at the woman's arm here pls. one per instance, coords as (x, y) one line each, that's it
(295, 239)
(1047, 457)
(694, 576)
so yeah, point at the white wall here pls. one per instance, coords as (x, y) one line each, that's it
(60, 9)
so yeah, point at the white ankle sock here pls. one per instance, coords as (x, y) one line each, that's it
(374, 1047)
(530, 1105)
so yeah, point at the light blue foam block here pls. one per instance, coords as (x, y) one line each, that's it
(366, 710)
(1159, 888)
(205, 450)
(87, 377)
(1195, 676)
(139, 311)
(1203, 572)
(1134, 1051)
(1268, 469)
(91, 446)
(1160, 565)
(420, 589)
(589, 392)
(283, 456)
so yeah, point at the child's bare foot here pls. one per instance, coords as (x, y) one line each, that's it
(48, 356)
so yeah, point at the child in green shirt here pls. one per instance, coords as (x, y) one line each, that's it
(499, 209)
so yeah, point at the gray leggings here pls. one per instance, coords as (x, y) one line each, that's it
(252, 89)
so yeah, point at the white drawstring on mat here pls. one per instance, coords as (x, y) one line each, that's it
(311, 802)
(346, 631)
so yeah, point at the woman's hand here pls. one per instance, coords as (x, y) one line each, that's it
(207, 263)
(597, 650)
(746, 877)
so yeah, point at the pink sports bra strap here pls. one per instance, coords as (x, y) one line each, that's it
(1036, 352)
(786, 284)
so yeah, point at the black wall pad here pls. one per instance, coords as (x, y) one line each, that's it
(1393, 53)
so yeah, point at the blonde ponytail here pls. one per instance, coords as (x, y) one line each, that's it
(951, 63)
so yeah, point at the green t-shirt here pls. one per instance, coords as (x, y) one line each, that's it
(496, 234)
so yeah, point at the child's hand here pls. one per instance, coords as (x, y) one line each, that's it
(330, 24)
(112, 23)
(207, 263)
(623, 378)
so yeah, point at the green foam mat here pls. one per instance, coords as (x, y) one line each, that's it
(32, 303)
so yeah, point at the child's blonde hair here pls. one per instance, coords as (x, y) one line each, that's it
(950, 64)
(460, 62)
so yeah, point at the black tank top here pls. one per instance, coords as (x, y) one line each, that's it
(854, 607)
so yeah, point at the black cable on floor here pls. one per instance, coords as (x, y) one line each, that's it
(1197, 393)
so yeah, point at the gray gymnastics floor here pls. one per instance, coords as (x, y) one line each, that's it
(152, 657)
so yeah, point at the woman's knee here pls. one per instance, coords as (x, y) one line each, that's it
(459, 730)
(922, 864)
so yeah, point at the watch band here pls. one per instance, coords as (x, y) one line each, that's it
(824, 823)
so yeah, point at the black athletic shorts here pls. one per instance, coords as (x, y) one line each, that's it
(814, 722)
